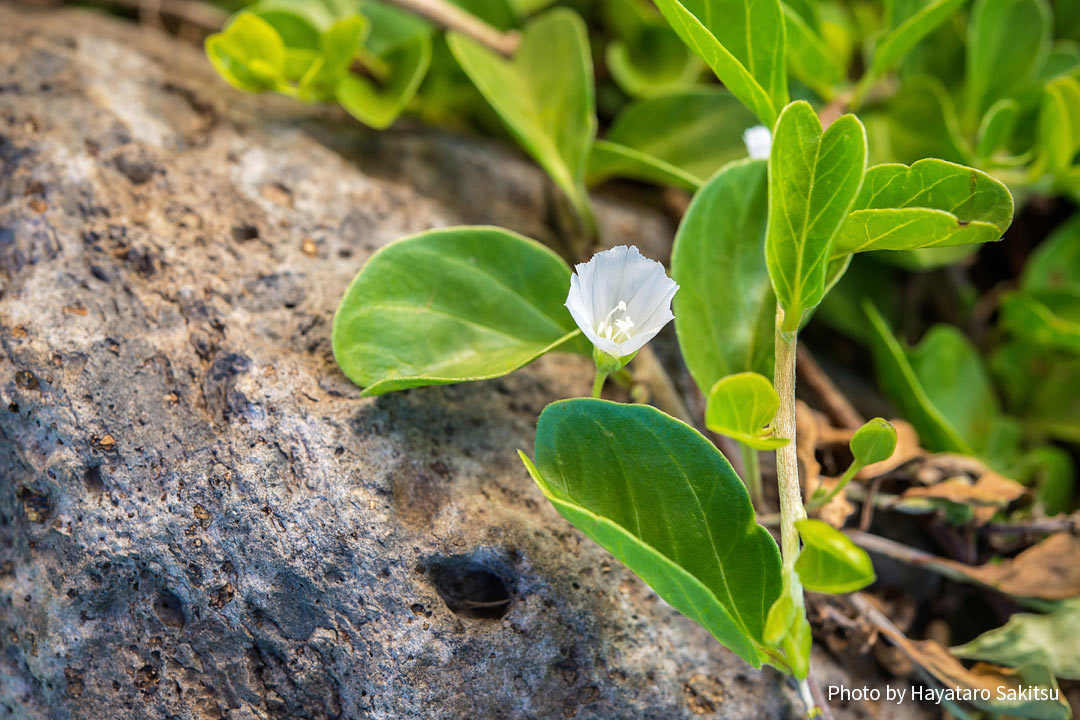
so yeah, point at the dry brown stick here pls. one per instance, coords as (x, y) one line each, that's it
(451, 17)
(206, 18)
(819, 697)
(837, 406)
(1058, 523)
(649, 372)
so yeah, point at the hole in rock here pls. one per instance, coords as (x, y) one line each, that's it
(470, 587)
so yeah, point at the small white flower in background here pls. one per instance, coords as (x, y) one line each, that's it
(620, 299)
(758, 142)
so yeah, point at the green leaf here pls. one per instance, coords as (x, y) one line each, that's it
(1008, 42)
(725, 309)
(1059, 124)
(922, 123)
(829, 562)
(1055, 264)
(1028, 639)
(1048, 318)
(933, 203)
(874, 442)
(814, 178)
(902, 38)
(1053, 408)
(898, 379)
(679, 139)
(392, 28)
(249, 53)
(742, 406)
(450, 305)
(997, 127)
(809, 58)
(1051, 471)
(544, 95)
(665, 502)
(377, 104)
(652, 62)
(743, 41)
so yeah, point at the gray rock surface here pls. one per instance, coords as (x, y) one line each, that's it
(199, 516)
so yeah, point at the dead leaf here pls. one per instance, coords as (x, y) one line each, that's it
(1049, 570)
(809, 426)
(988, 494)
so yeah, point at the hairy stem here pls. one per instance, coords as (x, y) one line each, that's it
(787, 463)
(751, 473)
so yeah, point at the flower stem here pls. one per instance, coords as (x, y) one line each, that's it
(819, 499)
(751, 473)
(598, 382)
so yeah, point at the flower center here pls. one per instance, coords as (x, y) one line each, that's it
(616, 327)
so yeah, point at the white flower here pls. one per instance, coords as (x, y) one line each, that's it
(620, 299)
(758, 141)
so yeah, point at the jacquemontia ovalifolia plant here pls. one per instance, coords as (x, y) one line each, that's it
(760, 245)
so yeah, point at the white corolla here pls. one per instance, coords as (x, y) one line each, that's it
(620, 299)
(758, 141)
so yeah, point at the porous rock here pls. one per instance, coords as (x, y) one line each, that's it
(200, 517)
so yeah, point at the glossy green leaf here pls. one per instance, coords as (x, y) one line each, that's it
(249, 53)
(1008, 42)
(665, 502)
(377, 104)
(874, 442)
(679, 139)
(725, 309)
(829, 562)
(744, 43)
(905, 35)
(814, 178)
(742, 406)
(898, 379)
(544, 95)
(450, 305)
(809, 58)
(933, 203)
(1028, 639)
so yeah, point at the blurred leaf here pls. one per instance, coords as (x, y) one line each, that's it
(874, 442)
(1055, 264)
(809, 58)
(829, 562)
(1059, 124)
(679, 139)
(922, 123)
(682, 522)
(392, 29)
(898, 379)
(1051, 471)
(814, 178)
(1049, 570)
(1047, 318)
(1029, 639)
(1009, 690)
(1008, 42)
(544, 95)
(977, 501)
(996, 127)
(249, 53)
(743, 41)
(377, 104)
(725, 309)
(452, 305)
(1053, 408)
(645, 56)
(906, 34)
(742, 406)
(933, 203)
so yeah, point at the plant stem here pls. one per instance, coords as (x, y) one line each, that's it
(751, 473)
(787, 463)
(816, 501)
(451, 17)
(812, 709)
(598, 382)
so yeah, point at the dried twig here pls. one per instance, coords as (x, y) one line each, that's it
(836, 405)
(649, 372)
(452, 17)
(1058, 523)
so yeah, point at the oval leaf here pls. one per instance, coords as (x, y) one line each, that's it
(450, 305)
(1029, 639)
(249, 53)
(829, 562)
(933, 203)
(814, 178)
(725, 308)
(544, 95)
(742, 406)
(743, 41)
(662, 499)
(377, 105)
